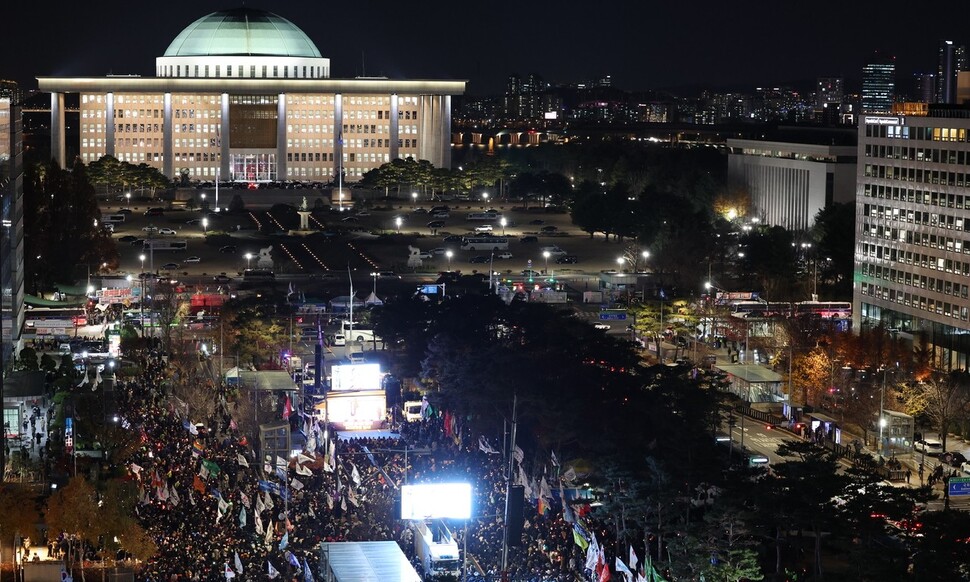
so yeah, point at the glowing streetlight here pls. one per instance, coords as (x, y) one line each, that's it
(248, 257)
(398, 221)
(142, 259)
(374, 275)
(484, 199)
(128, 199)
(203, 200)
(205, 225)
(414, 199)
(545, 255)
(503, 222)
(449, 254)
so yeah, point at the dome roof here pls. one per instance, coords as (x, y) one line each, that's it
(242, 31)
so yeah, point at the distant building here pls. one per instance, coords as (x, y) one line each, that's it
(11, 90)
(924, 87)
(11, 234)
(912, 249)
(953, 59)
(878, 83)
(828, 91)
(792, 175)
(244, 95)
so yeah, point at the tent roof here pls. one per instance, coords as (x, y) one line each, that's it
(41, 302)
(368, 562)
(266, 380)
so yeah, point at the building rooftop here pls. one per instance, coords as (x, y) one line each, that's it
(242, 32)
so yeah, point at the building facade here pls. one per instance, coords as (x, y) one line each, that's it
(953, 59)
(878, 84)
(912, 249)
(790, 181)
(11, 234)
(244, 95)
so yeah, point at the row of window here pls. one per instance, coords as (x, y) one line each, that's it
(917, 196)
(193, 143)
(891, 213)
(918, 175)
(937, 156)
(318, 129)
(135, 142)
(309, 156)
(298, 72)
(306, 99)
(367, 157)
(309, 172)
(958, 134)
(916, 259)
(304, 143)
(930, 305)
(923, 239)
(200, 113)
(309, 113)
(911, 279)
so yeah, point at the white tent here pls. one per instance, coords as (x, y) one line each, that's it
(372, 299)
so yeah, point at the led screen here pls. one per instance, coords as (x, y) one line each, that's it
(355, 377)
(436, 500)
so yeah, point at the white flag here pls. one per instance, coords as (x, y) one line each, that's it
(343, 503)
(621, 568)
(328, 468)
(329, 500)
(518, 454)
(303, 470)
(633, 559)
(260, 506)
(242, 460)
(555, 461)
(259, 524)
(229, 572)
(301, 458)
(355, 474)
(271, 571)
(267, 500)
(239, 566)
(269, 533)
(569, 476)
(282, 463)
(136, 469)
(352, 497)
(296, 485)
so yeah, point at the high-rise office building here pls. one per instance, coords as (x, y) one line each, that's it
(953, 59)
(11, 232)
(924, 88)
(828, 91)
(244, 94)
(912, 248)
(878, 83)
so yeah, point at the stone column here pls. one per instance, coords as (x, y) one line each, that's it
(58, 150)
(224, 140)
(394, 128)
(168, 153)
(281, 137)
(109, 124)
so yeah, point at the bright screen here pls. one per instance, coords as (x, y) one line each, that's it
(351, 412)
(436, 500)
(355, 377)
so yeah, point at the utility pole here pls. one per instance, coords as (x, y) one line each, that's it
(508, 489)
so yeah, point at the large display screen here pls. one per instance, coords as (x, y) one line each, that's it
(355, 377)
(355, 412)
(436, 500)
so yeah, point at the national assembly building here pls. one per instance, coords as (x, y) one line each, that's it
(244, 95)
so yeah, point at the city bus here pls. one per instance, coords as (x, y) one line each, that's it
(157, 244)
(825, 309)
(485, 243)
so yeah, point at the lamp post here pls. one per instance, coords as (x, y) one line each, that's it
(484, 200)
(141, 258)
(374, 275)
(449, 254)
(203, 201)
(248, 257)
(414, 199)
(545, 255)
(128, 199)
(503, 222)
(205, 226)
(398, 221)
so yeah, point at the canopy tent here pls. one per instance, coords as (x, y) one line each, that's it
(366, 562)
(372, 299)
(34, 301)
(75, 290)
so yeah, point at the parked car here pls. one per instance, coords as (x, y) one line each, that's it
(170, 266)
(480, 259)
(350, 219)
(537, 222)
(531, 273)
(440, 214)
(425, 255)
(128, 238)
(529, 239)
(436, 224)
(438, 251)
(149, 228)
(388, 275)
(548, 229)
(603, 326)
(931, 447)
(453, 238)
(228, 249)
(138, 242)
(954, 458)
(553, 250)
(193, 260)
(484, 228)
(221, 279)
(505, 255)
(123, 211)
(363, 213)
(420, 210)
(567, 260)
(168, 231)
(193, 221)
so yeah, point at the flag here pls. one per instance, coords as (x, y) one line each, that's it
(197, 448)
(541, 506)
(232, 424)
(633, 559)
(269, 533)
(198, 484)
(569, 476)
(229, 572)
(271, 571)
(303, 470)
(352, 497)
(244, 499)
(136, 469)
(663, 294)
(343, 504)
(282, 463)
(189, 426)
(267, 500)
(175, 499)
(223, 505)
(301, 458)
(354, 474)
(592, 554)
(281, 473)
(260, 506)
(210, 468)
(485, 447)
(518, 454)
(287, 408)
(242, 517)
(580, 541)
(97, 377)
(239, 567)
(292, 559)
(329, 500)
(241, 460)
(622, 569)
(285, 541)
(259, 524)
(307, 575)
(555, 461)
(296, 485)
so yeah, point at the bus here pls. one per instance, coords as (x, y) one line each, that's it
(487, 215)
(54, 320)
(157, 244)
(485, 243)
(258, 275)
(760, 309)
(825, 309)
(838, 310)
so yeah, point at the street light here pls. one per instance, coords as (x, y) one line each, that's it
(449, 254)
(545, 255)
(398, 222)
(414, 199)
(203, 201)
(205, 226)
(141, 258)
(128, 199)
(503, 222)
(484, 199)
(374, 275)
(248, 257)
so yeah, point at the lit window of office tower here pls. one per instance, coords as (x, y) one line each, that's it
(924, 88)
(953, 59)
(912, 247)
(828, 90)
(879, 83)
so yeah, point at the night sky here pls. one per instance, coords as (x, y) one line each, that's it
(643, 44)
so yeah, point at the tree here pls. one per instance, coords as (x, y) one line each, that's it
(19, 510)
(810, 375)
(74, 510)
(942, 398)
(834, 233)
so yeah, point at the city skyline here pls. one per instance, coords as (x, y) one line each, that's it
(704, 44)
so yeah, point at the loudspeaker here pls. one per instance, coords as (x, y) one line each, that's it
(514, 516)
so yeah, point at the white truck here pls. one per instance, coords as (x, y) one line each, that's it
(436, 548)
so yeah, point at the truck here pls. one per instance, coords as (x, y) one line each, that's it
(359, 332)
(356, 561)
(436, 548)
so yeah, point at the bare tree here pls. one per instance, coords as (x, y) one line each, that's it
(942, 397)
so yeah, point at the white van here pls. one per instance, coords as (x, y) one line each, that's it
(412, 410)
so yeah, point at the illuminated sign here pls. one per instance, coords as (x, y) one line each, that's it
(355, 377)
(884, 120)
(357, 411)
(436, 500)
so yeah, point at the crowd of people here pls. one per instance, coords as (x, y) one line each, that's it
(215, 510)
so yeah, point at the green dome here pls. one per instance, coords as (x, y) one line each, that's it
(242, 31)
